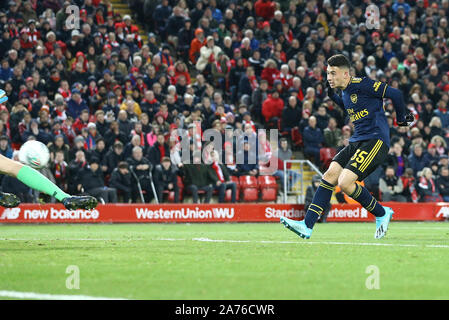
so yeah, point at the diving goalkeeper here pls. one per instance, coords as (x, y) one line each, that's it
(367, 149)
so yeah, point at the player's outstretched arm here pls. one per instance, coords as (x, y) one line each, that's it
(403, 117)
(381, 90)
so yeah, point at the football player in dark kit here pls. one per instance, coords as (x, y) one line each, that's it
(368, 147)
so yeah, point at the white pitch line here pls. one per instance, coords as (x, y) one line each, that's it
(46, 296)
(378, 244)
(396, 226)
(321, 242)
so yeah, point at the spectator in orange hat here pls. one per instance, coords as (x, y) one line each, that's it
(196, 44)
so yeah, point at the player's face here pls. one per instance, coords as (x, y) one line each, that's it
(337, 77)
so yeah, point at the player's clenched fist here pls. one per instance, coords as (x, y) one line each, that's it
(409, 119)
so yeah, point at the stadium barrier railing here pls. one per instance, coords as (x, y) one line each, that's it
(295, 178)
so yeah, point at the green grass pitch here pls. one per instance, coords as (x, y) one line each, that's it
(227, 261)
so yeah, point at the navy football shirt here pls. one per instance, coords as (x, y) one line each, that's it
(363, 101)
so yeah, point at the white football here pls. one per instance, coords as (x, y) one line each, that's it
(34, 154)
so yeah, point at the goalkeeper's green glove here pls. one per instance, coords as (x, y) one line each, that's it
(409, 119)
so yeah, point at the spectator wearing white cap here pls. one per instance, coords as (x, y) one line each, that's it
(75, 44)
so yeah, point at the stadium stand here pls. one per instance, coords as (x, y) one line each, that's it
(138, 68)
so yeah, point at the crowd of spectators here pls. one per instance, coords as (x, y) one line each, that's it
(106, 102)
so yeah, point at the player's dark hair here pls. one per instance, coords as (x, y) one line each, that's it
(339, 60)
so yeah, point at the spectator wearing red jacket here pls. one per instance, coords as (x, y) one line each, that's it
(33, 34)
(51, 43)
(272, 107)
(32, 93)
(237, 54)
(81, 122)
(181, 70)
(270, 72)
(265, 9)
(25, 42)
(196, 44)
(285, 77)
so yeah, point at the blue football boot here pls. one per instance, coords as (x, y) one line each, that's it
(382, 223)
(298, 227)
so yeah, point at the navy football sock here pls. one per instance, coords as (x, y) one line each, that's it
(320, 201)
(362, 195)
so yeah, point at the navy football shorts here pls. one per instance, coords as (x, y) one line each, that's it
(362, 157)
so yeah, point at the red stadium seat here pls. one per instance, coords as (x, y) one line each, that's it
(248, 182)
(249, 188)
(266, 182)
(268, 188)
(250, 194)
(269, 194)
